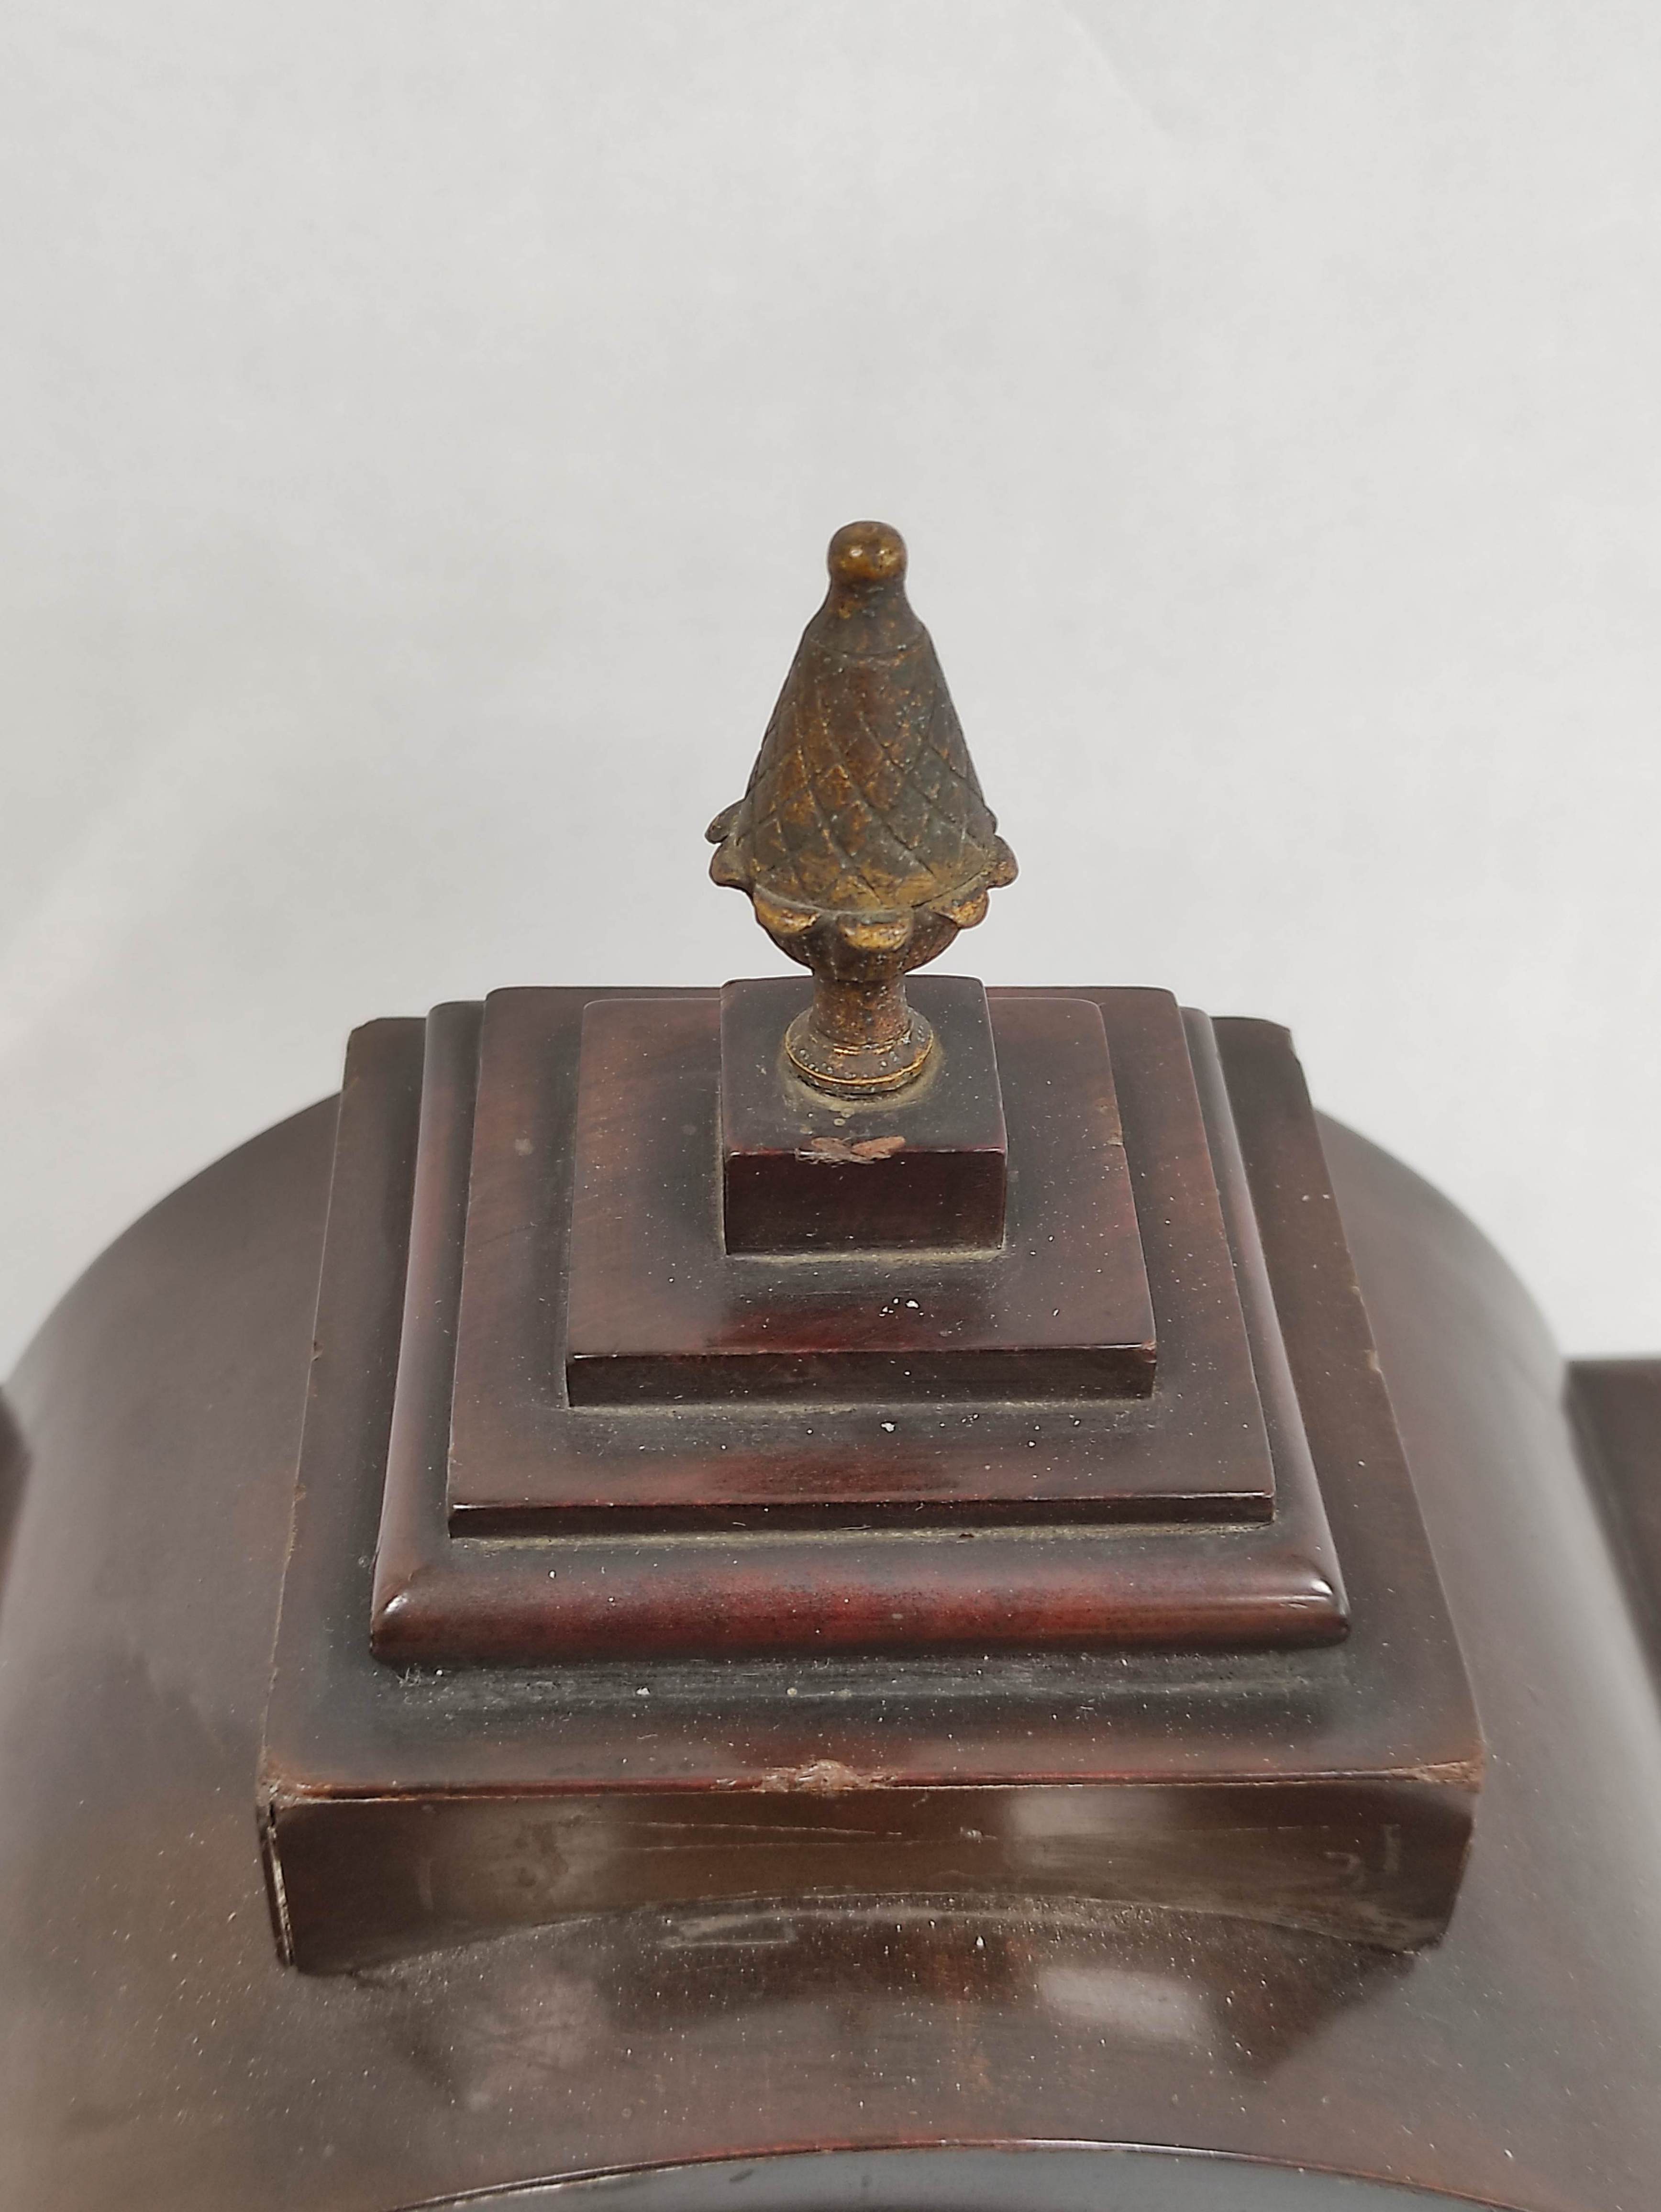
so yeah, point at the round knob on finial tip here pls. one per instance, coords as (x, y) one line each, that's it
(866, 553)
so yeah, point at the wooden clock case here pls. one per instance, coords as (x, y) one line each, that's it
(818, 2047)
(929, 1604)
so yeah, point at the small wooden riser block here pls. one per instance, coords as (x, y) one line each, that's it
(925, 1168)
(660, 1311)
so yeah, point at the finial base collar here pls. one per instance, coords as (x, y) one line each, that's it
(864, 1070)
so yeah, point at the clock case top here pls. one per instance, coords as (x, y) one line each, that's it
(468, 1731)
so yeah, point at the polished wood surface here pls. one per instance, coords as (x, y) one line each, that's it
(481, 1439)
(1203, 1452)
(634, 1759)
(925, 1168)
(154, 2053)
(659, 1311)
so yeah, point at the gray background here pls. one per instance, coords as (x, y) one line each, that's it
(423, 423)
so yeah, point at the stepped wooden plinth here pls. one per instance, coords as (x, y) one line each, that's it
(909, 1629)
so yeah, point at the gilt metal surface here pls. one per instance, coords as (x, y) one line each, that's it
(863, 840)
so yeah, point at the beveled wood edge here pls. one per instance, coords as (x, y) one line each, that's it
(972, 1373)
(440, 1600)
(336, 1717)
(348, 1404)
(1311, 1268)
(513, 1452)
(427, 1339)
(1275, 1387)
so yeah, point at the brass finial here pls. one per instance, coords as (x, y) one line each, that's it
(863, 840)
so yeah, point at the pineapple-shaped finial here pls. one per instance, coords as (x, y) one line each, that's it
(863, 840)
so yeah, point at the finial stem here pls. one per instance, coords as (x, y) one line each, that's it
(860, 1016)
(859, 1039)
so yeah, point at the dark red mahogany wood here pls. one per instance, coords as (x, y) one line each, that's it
(659, 1311)
(814, 1565)
(522, 1460)
(925, 1166)
(155, 2054)
(1330, 1787)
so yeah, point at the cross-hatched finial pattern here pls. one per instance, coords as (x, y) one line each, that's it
(864, 799)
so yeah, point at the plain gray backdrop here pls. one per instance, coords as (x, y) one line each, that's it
(423, 423)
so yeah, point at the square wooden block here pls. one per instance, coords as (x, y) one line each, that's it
(925, 1168)
(660, 1311)
(516, 1457)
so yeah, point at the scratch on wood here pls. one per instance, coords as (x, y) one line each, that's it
(828, 1777)
(838, 1153)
